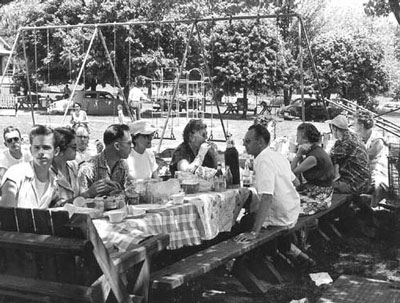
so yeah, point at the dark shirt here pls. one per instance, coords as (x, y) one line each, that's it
(97, 168)
(352, 157)
(183, 151)
(323, 173)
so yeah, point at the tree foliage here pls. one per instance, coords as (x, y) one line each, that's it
(351, 66)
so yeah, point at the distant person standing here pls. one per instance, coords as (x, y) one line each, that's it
(136, 96)
(121, 117)
(78, 116)
(14, 154)
(67, 92)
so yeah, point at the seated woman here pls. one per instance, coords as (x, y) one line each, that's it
(194, 151)
(78, 116)
(64, 168)
(314, 164)
(378, 152)
(141, 161)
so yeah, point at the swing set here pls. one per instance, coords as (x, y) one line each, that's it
(178, 82)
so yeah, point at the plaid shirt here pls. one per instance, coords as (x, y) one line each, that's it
(351, 155)
(97, 168)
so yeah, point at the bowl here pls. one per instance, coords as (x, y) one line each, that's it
(177, 198)
(190, 186)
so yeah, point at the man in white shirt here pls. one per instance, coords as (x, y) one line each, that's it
(33, 185)
(279, 200)
(135, 98)
(14, 153)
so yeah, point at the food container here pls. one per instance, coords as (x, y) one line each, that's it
(190, 186)
(177, 198)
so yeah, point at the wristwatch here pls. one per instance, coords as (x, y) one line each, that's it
(253, 233)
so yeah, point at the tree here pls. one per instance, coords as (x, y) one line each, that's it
(383, 8)
(351, 66)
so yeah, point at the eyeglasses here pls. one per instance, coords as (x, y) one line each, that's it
(83, 137)
(246, 141)
(74, 147)
(11, 140)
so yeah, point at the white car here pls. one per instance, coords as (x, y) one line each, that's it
(390, 108)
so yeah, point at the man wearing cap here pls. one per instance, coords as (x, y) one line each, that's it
(141, 161)
(350, 159)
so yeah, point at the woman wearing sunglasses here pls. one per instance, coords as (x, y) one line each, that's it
(14, 154)
(141, 161)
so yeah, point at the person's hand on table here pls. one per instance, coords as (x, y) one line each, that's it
(103, 186)
(246, 237)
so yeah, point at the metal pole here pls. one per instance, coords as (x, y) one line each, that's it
(303, 109)
(176, 87)
(313, 65)
(80, 74)
(187, 21)
(10, 57)
(211, 83)
(27, 77)
(114, 72)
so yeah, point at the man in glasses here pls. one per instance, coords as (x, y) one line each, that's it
(14, 154)
(83, 152)
(279, 202)
(107, 171)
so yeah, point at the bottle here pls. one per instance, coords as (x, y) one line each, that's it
(228, 177)
(232, 160)
(246, 178)
(219, 179)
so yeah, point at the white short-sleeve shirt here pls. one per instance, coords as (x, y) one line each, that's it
(274, 176)
(6, 160)
(141, 166)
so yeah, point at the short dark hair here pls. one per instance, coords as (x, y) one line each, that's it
(261, 132)
(191, 127)
(10, 129)
(114, 132)
(42, 130)
(365, 119)
(77, 103)
(64, 136)
(310, 132)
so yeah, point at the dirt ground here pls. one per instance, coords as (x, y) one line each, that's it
(368, 248)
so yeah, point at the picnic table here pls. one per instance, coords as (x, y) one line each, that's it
(202, 217)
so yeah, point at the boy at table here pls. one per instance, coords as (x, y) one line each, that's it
(279, 200)
(33, 184)
(107, 171)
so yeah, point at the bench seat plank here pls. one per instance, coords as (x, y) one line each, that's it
(21, 286)
(204, 261)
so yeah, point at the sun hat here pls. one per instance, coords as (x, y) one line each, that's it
(340, 121)
(141, 127)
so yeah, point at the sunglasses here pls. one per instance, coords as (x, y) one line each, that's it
(246, 141)
(11, 140)
(148, 137)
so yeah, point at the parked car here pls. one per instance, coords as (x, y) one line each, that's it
(390, 108)
(314, 110)
(93, 102)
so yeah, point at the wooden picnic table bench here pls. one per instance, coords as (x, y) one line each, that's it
(45, 256)
(206, 260)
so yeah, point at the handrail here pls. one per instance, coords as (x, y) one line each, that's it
(381, 122)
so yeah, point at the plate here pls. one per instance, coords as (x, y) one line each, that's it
(150, 207)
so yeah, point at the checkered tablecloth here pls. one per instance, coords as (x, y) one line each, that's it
(201, 218)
